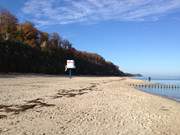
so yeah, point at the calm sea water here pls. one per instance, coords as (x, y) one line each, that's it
(166, 92)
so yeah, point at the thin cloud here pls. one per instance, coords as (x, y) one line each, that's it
(50, 12)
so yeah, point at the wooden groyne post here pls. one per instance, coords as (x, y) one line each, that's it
(157, 86)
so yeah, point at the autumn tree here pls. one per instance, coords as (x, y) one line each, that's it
(66, 44)
(20, 36)
(55, 40)
(8, 25)
(44, 38)
(30, 34)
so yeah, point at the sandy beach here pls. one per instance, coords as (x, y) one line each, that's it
(56, 105)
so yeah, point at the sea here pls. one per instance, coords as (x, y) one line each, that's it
(171, 93)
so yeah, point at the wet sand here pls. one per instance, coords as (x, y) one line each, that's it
(56, 105)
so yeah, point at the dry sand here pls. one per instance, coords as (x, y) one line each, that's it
(52, 105)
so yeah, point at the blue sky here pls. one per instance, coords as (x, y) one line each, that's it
(140, 36)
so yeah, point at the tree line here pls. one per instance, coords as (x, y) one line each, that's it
(25, 49)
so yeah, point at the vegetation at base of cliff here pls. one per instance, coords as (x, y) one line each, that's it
(25, 49)
(133, 75)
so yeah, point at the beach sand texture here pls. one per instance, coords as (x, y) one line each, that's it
(53, 105)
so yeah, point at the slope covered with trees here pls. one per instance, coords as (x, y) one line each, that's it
(25, 49)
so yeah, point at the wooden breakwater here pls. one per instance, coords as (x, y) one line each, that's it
(155, 86)
(170, 91)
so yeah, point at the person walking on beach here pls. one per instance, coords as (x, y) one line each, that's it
(149, 79)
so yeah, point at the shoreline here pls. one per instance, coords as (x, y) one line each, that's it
(83, 105)
(160, 95)
(166, 97)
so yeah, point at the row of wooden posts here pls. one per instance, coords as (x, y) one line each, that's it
(159, 86)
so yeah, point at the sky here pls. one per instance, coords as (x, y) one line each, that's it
(140, 36)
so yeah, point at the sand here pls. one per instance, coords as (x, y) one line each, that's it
(56, 105)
